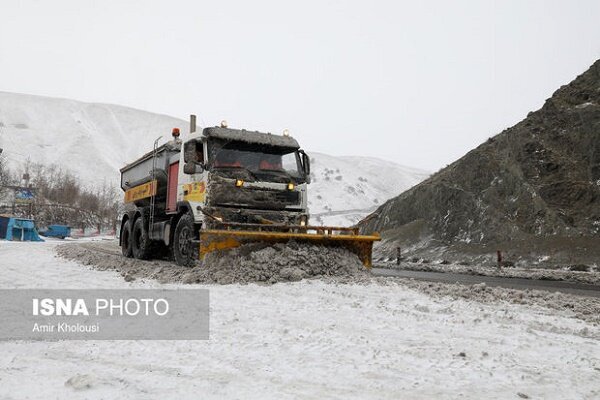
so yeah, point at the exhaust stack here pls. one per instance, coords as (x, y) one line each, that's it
(192, 123)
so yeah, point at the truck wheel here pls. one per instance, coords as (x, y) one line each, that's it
(140, 242)
(184, 252)
(126, 239)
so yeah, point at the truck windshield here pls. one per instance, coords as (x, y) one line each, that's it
(264, 163)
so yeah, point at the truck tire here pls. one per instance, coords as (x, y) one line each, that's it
(184, 252)
(141, 245)
(126, 239)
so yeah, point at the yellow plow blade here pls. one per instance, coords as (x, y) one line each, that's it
(222, 239)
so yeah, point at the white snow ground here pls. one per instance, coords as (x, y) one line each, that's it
(306, 340)
(95, 140)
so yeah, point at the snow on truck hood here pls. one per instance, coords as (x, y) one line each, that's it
(243, 135)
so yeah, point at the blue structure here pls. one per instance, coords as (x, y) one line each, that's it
(22, 229)
(24, 195)
(57, 231)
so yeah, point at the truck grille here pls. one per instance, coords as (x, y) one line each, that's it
(255, 198)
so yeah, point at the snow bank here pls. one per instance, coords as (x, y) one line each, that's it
(592, 277)
(250, 263)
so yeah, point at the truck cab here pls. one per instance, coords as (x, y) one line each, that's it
(243, 176)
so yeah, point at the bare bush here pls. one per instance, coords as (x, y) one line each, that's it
(60, 198)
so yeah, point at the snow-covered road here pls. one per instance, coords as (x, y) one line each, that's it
(306, 340)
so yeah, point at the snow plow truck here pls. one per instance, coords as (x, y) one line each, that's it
(220, 189)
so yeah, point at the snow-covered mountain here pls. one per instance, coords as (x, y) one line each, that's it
(94, 140)
(345, 189)
(91, 140)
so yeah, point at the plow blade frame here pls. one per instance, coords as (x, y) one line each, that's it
(222, 239)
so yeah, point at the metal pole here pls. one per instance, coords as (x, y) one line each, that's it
(154, 188)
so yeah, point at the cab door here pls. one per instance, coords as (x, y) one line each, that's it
(192, 185)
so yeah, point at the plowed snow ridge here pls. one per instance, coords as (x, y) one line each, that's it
(250, 263)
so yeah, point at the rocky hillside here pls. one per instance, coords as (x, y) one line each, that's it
(537, 182)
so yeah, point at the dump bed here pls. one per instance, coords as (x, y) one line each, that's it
(140, 171)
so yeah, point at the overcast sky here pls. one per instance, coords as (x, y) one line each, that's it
(418, 82)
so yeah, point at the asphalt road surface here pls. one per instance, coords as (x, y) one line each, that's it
(580, 289)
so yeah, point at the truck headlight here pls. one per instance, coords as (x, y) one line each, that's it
(303, 220)
(239, 182)
(291, 186)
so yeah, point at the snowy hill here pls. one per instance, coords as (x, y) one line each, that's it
(91, 140)
(346, 189)
(94, 140)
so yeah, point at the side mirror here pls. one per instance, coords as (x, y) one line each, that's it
(191, 168)
(306, 166)
(189, 152)
(193, 157)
